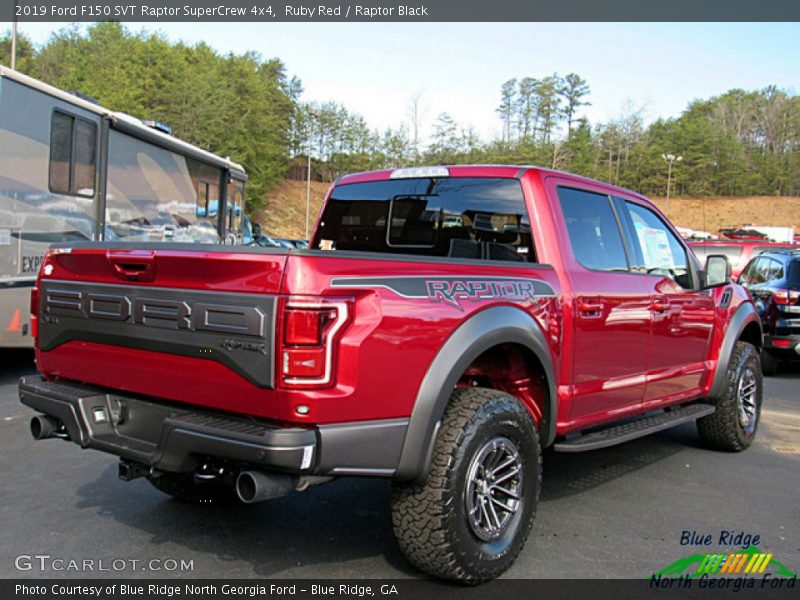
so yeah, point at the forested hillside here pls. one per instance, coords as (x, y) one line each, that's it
(740, 143)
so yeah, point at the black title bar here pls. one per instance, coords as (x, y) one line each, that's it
(275, 11)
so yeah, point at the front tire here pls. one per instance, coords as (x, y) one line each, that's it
(470, 518)
(733, 426)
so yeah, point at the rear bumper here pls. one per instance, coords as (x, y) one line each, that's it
(165, 436)
(179, 438)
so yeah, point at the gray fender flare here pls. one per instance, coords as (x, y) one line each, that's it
(488, 328)
(744, 315)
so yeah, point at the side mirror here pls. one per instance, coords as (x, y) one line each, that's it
(718, 270)
(256, 231)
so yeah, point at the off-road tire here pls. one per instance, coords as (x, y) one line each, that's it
(430, 518)
(723, 430)
(769, 364)
(183, 487)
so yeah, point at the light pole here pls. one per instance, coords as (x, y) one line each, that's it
(670, 158)
(311, 115)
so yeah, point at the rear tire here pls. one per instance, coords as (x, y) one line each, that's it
(470, 518)
(733, 426)
(769, 364)
(184, 487)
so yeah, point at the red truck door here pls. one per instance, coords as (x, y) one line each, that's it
(682, 315)
(611, 307)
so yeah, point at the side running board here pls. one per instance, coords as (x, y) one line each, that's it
(618, 434)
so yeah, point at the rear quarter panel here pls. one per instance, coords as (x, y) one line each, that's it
(405, 310)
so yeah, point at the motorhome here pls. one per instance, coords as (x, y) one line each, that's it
(71, 170)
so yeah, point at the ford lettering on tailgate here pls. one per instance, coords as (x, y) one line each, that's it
(234, 329)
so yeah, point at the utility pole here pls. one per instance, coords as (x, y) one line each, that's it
(670, 158)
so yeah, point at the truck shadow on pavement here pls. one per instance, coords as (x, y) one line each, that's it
(15, 363)
(568, 474)
(316, 533)
(320, 531)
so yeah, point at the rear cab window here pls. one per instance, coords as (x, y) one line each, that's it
(456, 217)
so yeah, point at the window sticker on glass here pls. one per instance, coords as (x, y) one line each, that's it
(655, 247)
(5, 237)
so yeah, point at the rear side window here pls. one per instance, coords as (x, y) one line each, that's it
(760, 272)
(73, 148)
(775, 270)
(593, 230)
(470, 218)
(748, 272)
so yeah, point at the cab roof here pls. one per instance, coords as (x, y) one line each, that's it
(500, 171)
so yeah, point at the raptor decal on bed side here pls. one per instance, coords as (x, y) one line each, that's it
(453, 290)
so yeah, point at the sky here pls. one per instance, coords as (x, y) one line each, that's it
(375, 68)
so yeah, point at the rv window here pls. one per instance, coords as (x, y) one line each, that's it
(73, 147)
(202, 199)
(235, 204)
(83, 157)
(213, 199)
(155, 194)
(60, 148)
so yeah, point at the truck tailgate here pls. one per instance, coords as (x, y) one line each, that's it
(201, 318)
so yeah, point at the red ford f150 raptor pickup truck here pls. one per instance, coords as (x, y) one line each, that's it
(446, 325)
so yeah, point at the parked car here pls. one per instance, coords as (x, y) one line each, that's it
(773, 280)
(738, 251)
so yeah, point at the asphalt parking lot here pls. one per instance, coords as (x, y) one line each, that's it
(616, 513)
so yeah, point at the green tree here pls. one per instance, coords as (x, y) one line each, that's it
(573, 90)
(508, 93)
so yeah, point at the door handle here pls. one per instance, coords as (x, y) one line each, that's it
(590, 309)
(661, 305)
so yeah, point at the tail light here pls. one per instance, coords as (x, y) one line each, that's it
(35, 302)
(780, 296)
(35, 312)
(783, 343)
(309, 333)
